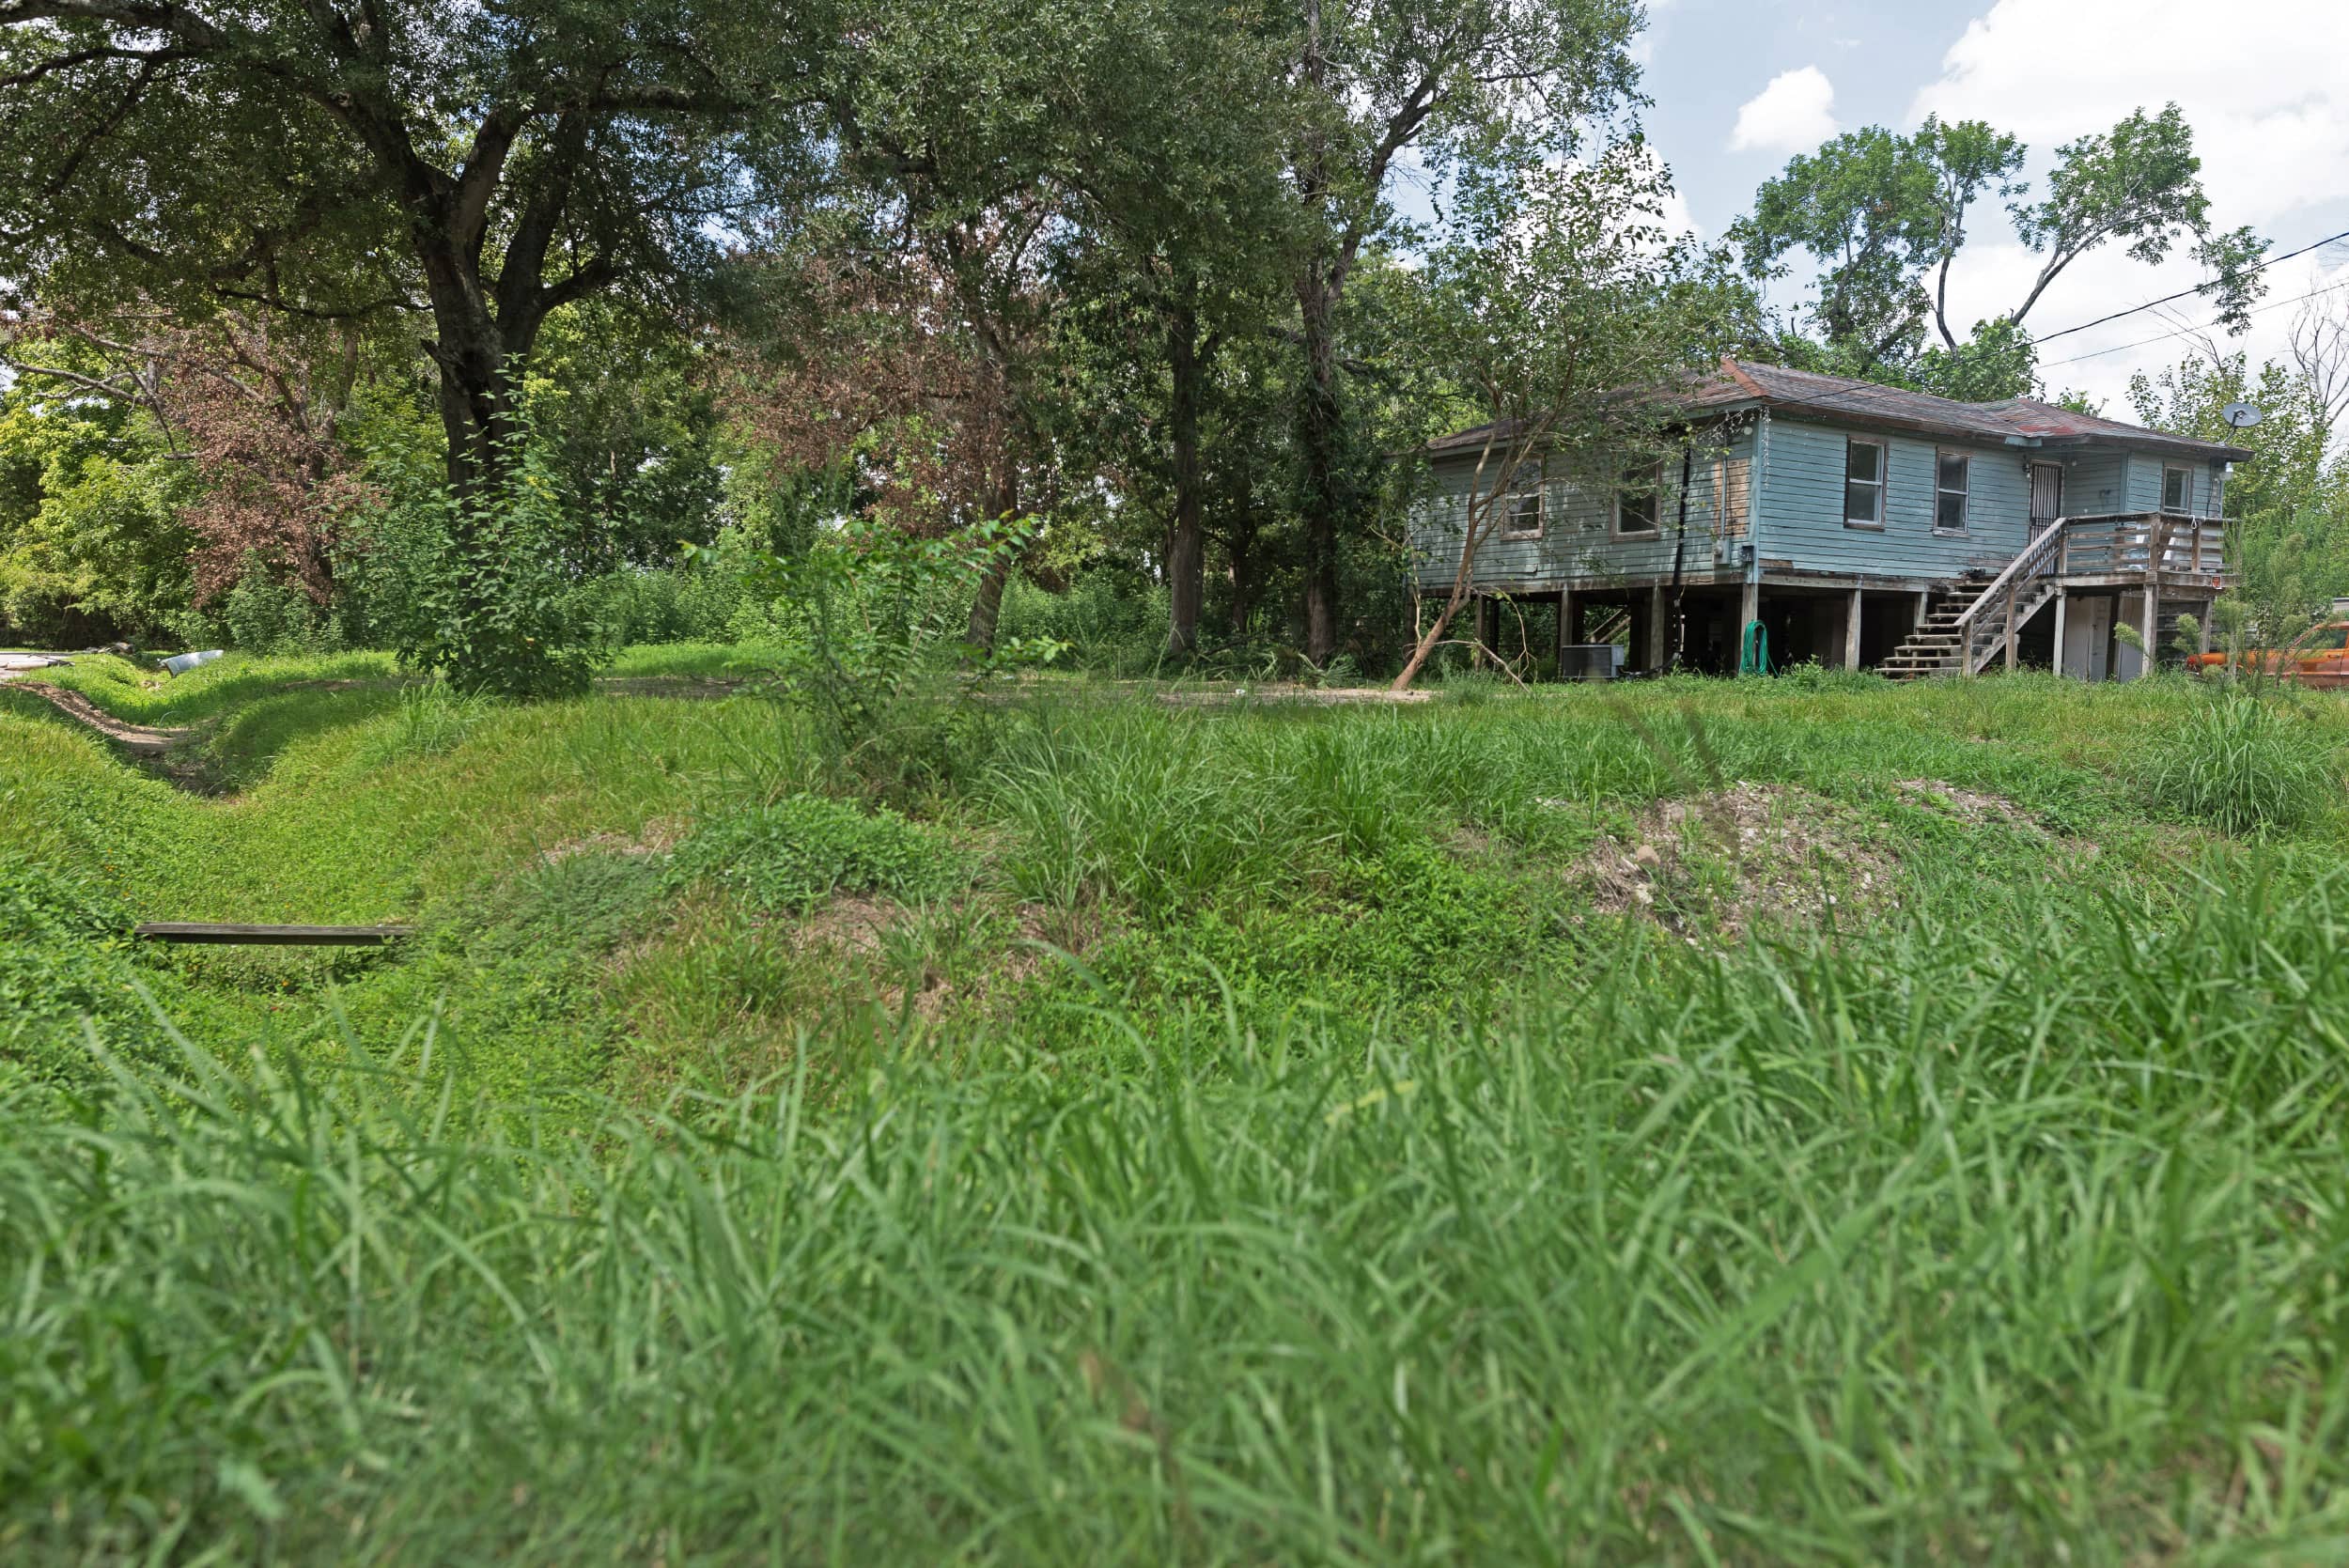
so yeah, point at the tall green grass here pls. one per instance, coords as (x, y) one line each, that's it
(2000, 1248)
(2247, 766)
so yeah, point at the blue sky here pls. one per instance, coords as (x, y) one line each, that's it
(1706, 58)
(1741, 85)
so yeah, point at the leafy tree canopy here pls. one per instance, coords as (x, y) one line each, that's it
(478, 167)
(1884, 218)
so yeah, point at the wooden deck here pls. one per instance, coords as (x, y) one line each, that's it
(2158, 555)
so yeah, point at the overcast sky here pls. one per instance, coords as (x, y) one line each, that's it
(1741, 84)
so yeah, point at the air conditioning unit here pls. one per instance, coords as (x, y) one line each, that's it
(1588, 661)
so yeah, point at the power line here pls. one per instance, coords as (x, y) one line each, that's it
(2181, 293)
(2181, 331)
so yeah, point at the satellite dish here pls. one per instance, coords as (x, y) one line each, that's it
(2242, 416)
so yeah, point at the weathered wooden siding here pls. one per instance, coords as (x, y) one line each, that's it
(2202, 496)
(1781, 486)
(2095, 484)
(1801, 517)
(1577, 544)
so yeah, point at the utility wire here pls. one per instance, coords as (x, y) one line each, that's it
(2183, 292)
(2181, 331)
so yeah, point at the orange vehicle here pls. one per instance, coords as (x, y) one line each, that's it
(2318, 656)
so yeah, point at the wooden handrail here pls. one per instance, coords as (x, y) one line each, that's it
(2031, 557)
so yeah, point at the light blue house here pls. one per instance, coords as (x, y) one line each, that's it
(1861, 525)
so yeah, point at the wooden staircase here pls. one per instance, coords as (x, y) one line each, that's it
(1930, 649)
(1964, 630)
(1965, 633)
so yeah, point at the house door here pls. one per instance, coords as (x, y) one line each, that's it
(2046, 495)
(2095, 626)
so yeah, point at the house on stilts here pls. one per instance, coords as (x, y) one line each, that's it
(1863, 526)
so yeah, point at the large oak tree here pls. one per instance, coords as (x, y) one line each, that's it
(478, 166)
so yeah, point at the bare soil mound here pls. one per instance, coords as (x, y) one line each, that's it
(1751, 854)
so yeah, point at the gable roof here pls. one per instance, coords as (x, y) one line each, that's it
(2016, 421)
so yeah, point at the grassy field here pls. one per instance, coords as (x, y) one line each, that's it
(1791, 1121)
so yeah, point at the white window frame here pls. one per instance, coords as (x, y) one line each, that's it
(1518, 490)
(1965, 496)
(1883, 482)
(1654, 529)
(2185, 499)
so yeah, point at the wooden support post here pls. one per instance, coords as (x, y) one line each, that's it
(1480, 635)
(1658, 614)
(2158, 541)
(1924, 608)
(1569, 618)
(2202, 621)
(1851, 631)
(2014, 632)
(2064, 602)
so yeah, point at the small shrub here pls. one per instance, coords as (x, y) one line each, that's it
(1811, 676)
(692, 602)
(793, 853)
(1106, 625)
(872, 651)
(492, 608)
(2241, 765)
(261, 614)
(431, 720)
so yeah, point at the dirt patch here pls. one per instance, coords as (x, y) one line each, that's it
(137, 739)
(991, 965)
(851, 923)
(704, 687)
(1289, 692)
(657, 838)
(1969, 805)
(1725, 861)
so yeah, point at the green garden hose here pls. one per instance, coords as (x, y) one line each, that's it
(1753, 653)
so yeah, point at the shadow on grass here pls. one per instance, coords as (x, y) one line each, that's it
(248, 744)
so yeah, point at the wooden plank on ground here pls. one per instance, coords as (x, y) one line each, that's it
(270, 936)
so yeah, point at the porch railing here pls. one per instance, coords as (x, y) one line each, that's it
(2130, 544)
(2142, 547)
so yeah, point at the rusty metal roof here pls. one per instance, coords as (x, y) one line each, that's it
(2018, 421)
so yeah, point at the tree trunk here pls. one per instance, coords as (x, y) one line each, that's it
(1428, 642)
(1241, 547)
(480, 361)
(1328, 500)
(1481, 509)
(1187, 544)
(988, 607)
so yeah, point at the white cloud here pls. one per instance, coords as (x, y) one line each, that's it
(2262, 85)
(1794, 114)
